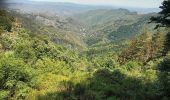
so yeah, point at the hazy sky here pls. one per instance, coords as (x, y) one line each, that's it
(128, 3)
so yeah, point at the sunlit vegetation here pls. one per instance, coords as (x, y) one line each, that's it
(34, 67)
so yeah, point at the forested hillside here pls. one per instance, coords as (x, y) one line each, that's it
(85, 25)
(39, 62)
(88, 29)
(107, 25)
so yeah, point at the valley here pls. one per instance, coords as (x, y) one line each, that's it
(89, 25)
(68, 51)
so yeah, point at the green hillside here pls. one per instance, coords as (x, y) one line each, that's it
(107, 55)
(95, 27)
(59, 30)
(111, 25)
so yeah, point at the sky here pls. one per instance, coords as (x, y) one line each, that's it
(125, 3)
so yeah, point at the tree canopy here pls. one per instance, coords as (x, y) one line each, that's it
(163, 19)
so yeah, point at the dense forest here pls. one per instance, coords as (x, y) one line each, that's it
(34, 67)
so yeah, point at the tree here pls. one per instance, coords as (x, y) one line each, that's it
(15, 77)
(157, 44)
(146, 47)
(164, 76)
(5, 21)
(163, 19)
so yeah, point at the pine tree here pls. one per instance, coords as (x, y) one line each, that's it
(163, 19)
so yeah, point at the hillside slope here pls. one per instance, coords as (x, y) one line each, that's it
(85, 25)
(111, 24)
(60, 30)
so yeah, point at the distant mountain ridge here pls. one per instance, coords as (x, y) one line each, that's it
(64, 8)
(81, 25)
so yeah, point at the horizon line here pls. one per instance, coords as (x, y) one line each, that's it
(104, 5)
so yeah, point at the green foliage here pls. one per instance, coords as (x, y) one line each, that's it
(164, 75)
(132, 65)
(162, 19)
(144, 48)
(6, 42)
(5, 21)
(14, 77)
(105, 85)
(166, 44)
(105, 25)
(33, 67)
(24, 50)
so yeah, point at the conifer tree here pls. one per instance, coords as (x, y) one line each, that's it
(163, 20)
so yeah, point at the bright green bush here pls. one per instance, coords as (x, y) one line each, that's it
(15, 76)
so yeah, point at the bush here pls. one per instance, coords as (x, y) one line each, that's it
(164, 76)
(13, 72)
